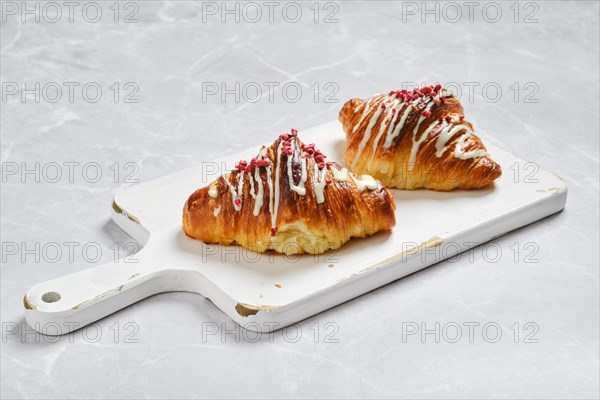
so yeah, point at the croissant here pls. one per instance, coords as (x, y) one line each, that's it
(290, 199)
(416, 139)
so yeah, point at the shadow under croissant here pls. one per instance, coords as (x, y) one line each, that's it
(270, 262)
(434, 195)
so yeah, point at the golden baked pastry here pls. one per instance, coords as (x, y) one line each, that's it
(290, 199)
(416, 139)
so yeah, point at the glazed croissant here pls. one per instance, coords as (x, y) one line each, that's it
(416, 139)
(289, 199)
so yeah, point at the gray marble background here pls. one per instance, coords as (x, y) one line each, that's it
(542, 55)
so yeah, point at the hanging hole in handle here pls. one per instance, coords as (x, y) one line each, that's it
(50, 297)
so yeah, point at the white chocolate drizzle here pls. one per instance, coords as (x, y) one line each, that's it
(390, 137)
(396, 111)
(387, 102)
(340, 175)
(240, 188)
(459, 151)
(273, 176)
(270, 184)
(319, 185)
(417, 142)
(258, 196)
(258, 199)
(448, 130)
(236, 195)
(275, 198)
(364, 182)
(212, 192)
(365, 112)
(367, 134)
(300, 189)
(384, 125)
(252, 187)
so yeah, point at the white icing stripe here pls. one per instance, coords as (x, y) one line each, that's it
(365, 112)
(443, 138)
(391, 127)
(446, 134)
(459, 151)
(270, 184)
(259, 196)
(417, 142)
(319, 185)
(364, 182)
(422, 117)
(384, 125)
(252, 187)
(212, 192)
(217, 211)
(413, 151)
(258, 202)
(234, 195)
(388, 102)
(390, 138)
(358, 107)
(397, 129)
(275, 197)
(300, 188)
(340, 175)
(240, 188)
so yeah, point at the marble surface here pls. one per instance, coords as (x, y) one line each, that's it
(541, 294)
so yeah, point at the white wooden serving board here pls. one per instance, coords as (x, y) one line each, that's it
(265, 292)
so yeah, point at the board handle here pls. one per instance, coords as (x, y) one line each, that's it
(68, 303)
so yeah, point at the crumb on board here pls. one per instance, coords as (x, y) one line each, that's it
(277, 285)
(331, 265)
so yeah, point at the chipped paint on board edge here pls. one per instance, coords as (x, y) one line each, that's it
(98, 297)
(432, 242)
(246, 310)
(119, 210)
(553, 190)
(27, 304)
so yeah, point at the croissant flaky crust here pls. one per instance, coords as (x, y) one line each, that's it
(289, 199)
(416, 139)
